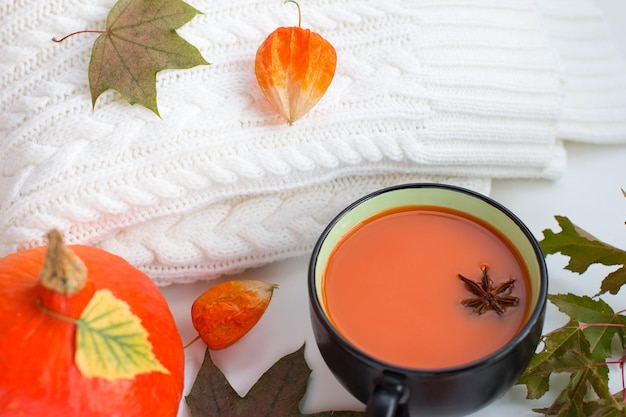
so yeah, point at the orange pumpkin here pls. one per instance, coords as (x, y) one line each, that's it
(39, 375)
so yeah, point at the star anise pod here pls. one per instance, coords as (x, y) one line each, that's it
(489, 297)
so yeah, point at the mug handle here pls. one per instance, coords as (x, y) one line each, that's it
(389, 394)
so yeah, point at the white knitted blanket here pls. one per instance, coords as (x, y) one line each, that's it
(453, 91)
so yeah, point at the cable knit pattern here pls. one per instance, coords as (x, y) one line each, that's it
(594, 75)
(439, 91)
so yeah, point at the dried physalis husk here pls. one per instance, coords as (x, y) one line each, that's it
(224, 313)
(294, 68)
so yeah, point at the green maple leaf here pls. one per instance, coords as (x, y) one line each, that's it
(593, 311)
(140, 40)
(536, 377)
(580, 350)
(585, 374)
(614, 407)
(277, 393)
(583, 249)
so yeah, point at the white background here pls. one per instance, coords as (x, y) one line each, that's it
(589, 193)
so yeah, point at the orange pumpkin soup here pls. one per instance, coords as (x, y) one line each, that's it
(392, 288)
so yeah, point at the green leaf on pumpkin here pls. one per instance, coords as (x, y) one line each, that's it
(140, 40)
(111, 342)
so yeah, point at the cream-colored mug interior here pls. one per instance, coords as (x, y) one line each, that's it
(432, 196)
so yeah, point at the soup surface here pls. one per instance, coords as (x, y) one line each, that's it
(392, 287)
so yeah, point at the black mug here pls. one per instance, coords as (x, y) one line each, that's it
(390, 390)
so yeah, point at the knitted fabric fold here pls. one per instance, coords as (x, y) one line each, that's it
(593, 73)
(444, 91)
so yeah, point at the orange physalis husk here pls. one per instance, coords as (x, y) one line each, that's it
(224, 313)
(294, 68)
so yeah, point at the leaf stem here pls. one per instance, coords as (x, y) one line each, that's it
(192, 342)
(77, 33)
(299, 12)
(584, 326)
(56, 315)
(619, 362)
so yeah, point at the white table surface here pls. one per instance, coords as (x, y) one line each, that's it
(589, 193)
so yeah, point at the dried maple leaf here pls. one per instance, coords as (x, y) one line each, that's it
(140, 40)
(276, 394)
(294, 68)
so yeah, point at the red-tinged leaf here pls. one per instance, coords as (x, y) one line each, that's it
(294, 68)
(584, 250)
(582, 351)
(585, 375)
(537, 384)
(615, 407)
(609, 412)
(614, 281)
(599, 314)
(224, 313)
(276, 394)
(536, 377)
(569, 403)
(140, 40)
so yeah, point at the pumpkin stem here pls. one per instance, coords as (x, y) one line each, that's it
(62, 270)
(299, 13)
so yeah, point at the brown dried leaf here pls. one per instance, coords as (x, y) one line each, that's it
(140, 40)
(277, 393)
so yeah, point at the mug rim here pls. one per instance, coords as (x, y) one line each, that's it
(484, 361)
